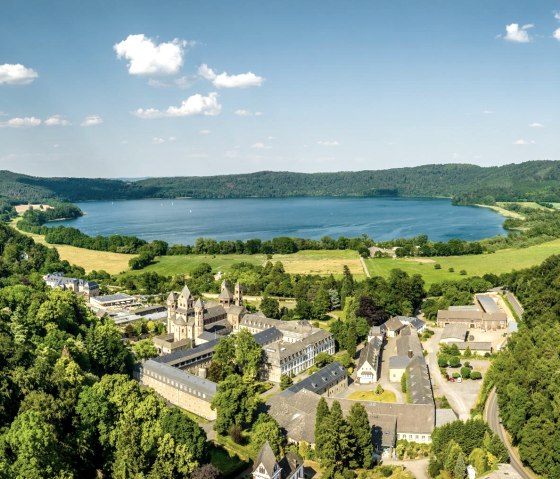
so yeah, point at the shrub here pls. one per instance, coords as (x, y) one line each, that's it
(456, 375)
(451, 270)
(443, 361)
(235, 434)
(454, 362)
(379, 389)
(437, 266)
(465, 372)
(463, 272)
(476, 375)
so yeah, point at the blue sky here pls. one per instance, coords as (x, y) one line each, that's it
(143, 88)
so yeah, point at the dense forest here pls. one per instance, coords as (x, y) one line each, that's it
(467, 184)
(526, 373)
(68, 405)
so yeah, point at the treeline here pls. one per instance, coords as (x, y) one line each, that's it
(467, 184)
(457, 444)
(525, 374)
(421, 246)
(68, 407)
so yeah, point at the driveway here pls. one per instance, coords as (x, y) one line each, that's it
(419, 467)
(461, 396)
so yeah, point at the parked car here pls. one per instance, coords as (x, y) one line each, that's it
(459, 380)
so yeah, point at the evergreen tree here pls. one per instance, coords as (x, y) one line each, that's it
(336, 447)
(321, 415)
(351, 339)
(285, 381)
(360, 430)
(459, 471)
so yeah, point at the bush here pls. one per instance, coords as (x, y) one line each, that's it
(437, 266)
(476, 375)
(456, 375)
(454, 362)
(465, 372)
(236, 434)
(443, 361)
(463, 272)
(451, 270)
(386, 471)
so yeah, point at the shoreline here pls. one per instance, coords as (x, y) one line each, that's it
(502, 211)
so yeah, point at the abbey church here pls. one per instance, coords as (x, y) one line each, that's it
(191, 322)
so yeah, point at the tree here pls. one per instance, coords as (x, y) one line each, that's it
(106, 349)
(336, 448)
(465, 372)
(235, 402)
(207, 471)
(144, 349)
(266, 429)
(285, 381)
(360, 430)
(404, 382)
(460, 469)
(351, 339)
(322, 359)
(320, 417)
(270, 307)
(478, 459)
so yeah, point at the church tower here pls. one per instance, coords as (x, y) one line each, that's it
(198, 318)
(238, 295)
(225, 298)
(171, 310)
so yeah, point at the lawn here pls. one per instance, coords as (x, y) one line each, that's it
(113, 263)
(385, 396)
(501, 261)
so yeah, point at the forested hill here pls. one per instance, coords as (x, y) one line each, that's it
(533, 181)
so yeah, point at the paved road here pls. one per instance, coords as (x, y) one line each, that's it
(441, 385)
(491, 416)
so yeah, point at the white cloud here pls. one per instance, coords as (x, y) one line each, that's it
(516, 34)
(247, 113)
(183, 82)
(16, 74)
(488, 112)
(148, 58)
(556, 15)
(536, 125)
(92, 120)
(24, 122)
(193, 105)
(328, 143)
(171, 139)
(260, 146)
(157, 141)
(556, 34)
(57, 120)
(223, 80)
(522, 142)
(204, 132)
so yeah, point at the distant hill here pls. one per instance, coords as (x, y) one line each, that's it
(531, 181)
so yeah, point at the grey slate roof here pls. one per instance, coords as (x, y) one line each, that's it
(419, 385)
(188, 356)
(475, 345)
(393, 324)
(378, 330)
(113, 297)
(488, 303)
(370, 353)
(398, 362)
(322, 380)
(267, 458)
(169, 374)
(445, 416)
(408, 341)
(290, 463)
(454, 331)
(267, 336)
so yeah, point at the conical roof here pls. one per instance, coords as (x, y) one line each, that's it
(199, 304)
(172, 296)
(186, 292)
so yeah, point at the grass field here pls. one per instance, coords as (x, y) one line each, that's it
(302, 262)
(322, 262)
(90, 260)
(385, 396)
(501, 261)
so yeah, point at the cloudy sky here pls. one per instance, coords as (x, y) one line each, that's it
(143, 88)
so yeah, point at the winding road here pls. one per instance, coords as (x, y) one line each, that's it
(491, 416)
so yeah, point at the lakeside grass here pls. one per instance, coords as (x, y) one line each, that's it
(113, 263)
(502, 261)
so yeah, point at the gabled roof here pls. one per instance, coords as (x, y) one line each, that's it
(267, 459)
(394, 324)
(370, 353)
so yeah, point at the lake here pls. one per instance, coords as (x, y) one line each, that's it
(181, 221)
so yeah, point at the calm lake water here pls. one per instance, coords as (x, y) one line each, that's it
(182, 221)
